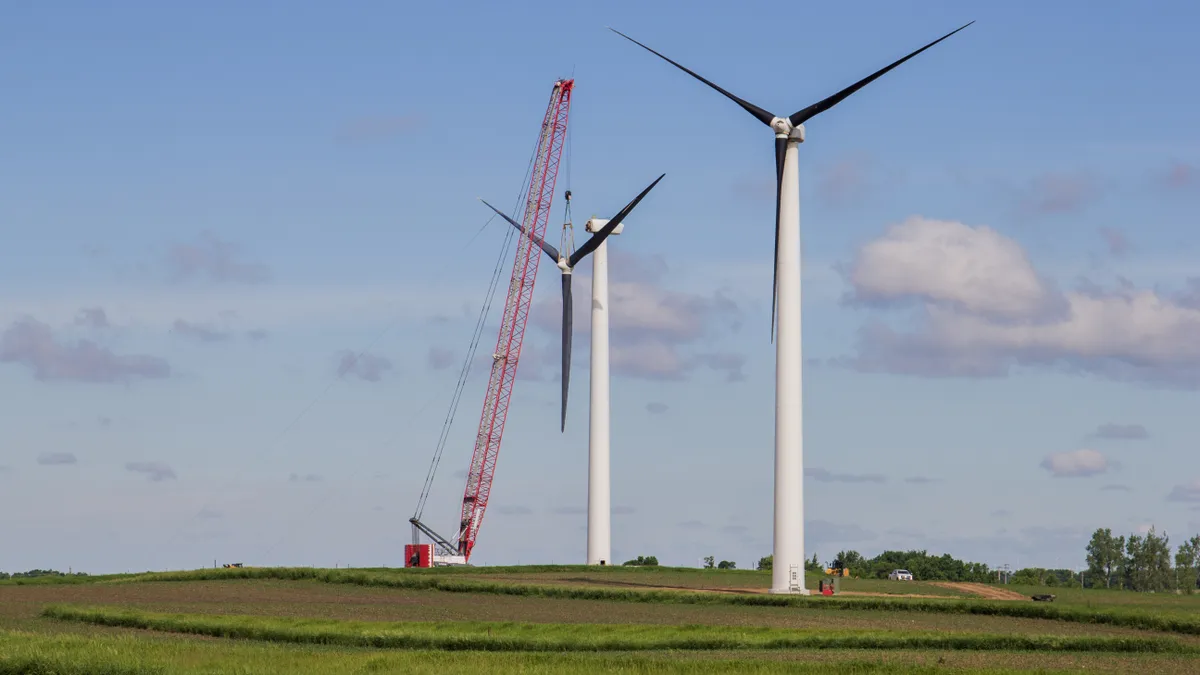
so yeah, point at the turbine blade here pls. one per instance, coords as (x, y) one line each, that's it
(596, 239)
(780, 154)
(550, 250)
(760, 114)
(567, 326)
(821, 106)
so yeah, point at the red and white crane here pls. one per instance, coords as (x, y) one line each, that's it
(506, 356)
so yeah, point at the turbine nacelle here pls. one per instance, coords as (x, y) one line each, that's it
(784, 128)
(788, 129)
(594, 225)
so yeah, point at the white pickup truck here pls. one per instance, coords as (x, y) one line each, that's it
(900, 575)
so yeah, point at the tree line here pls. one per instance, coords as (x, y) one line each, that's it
(1134, 562)
(923, 566)
(39, 573)
(1142, 562)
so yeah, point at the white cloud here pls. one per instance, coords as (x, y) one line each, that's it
(1118, 243)
(365, 366)
(56, 458)
(1189, 492)
(983, 308)
(440, 358)
(213, 259)
(650, 359)
(154, 471)
(945, 262)
(92, 317)
(826, 476)
(269, 306)
(656, 332)
(198, 331)
(31, 343)
(1121, 432)
(1060, 192)
(1075, 464)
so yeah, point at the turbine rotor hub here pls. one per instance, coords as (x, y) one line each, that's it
(784, 128)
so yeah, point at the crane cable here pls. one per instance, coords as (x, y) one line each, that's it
(463, 375)
(566, 242)
(458, 387)
(465, 371)
(466, 367)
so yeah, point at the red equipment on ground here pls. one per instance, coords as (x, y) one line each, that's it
(418, 555)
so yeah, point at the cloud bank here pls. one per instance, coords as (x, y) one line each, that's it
(980, 309)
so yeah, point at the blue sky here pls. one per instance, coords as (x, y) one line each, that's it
(999, 239)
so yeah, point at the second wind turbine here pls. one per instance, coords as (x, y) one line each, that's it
(599, 513)
(787, 574)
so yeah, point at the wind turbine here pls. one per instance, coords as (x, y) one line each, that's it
(599, 508)
(566, 264)
(788, 562)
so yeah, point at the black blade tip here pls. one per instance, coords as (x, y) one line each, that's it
(958, 29)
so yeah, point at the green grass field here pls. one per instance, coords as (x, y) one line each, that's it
(566, 619)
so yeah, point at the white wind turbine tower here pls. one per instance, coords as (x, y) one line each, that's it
(599, 525)
(788, 566)
(599, 509)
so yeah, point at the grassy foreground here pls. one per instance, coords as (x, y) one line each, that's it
(543, 637)
(305, 620)
(1121, 616)
(31, 654)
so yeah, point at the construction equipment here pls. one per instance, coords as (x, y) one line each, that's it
(536, 215)
(837, 568)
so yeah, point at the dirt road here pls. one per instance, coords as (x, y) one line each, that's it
(982, 590)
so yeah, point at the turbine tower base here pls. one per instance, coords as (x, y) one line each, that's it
(795, 584)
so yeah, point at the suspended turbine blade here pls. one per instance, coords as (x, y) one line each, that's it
(550, 250)
(821, 106)
(780, 153)
(596, 239)
(762, 115)
(567, 325)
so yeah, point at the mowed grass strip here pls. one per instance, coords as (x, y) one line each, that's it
(1125, 618)
(655, 577)
(543, 637)
(23, 653)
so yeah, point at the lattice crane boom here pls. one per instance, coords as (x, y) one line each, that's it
(507, 354)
